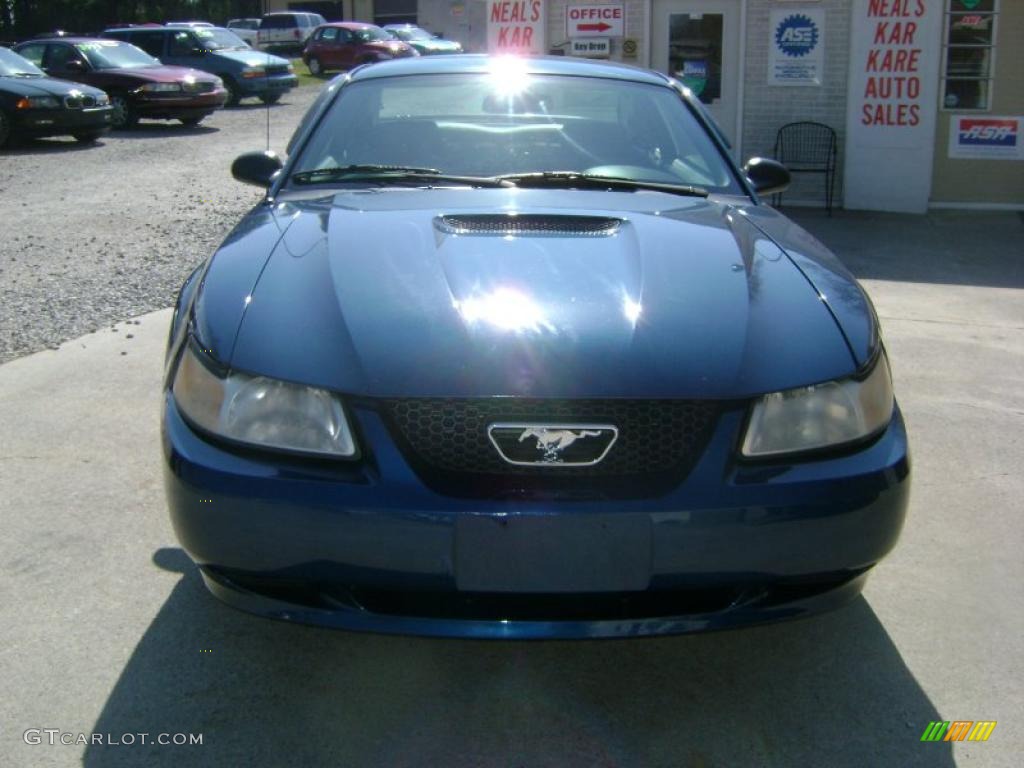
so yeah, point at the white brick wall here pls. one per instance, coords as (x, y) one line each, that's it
(767, 108)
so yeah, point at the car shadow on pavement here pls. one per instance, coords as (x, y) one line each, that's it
(164, 131)
(48, 146)
(831, 690)
(958, 247)
(250, 106)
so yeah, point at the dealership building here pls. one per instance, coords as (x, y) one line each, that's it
(926, 97)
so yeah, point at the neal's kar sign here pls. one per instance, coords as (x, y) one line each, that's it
(516, 26)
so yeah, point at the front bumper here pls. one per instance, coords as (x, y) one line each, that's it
(258, 86)
(369, 547)
(176, 106)
(60, 122)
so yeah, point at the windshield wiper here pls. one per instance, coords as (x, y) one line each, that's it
(570, 179)
(396, 173)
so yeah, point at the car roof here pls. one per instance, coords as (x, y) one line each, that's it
(534, 65)
(350, 24)
(169, 29)
(75, 39)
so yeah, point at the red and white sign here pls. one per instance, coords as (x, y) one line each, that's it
(595, 21)
(992, 138)
(516, 26)
(892, 94)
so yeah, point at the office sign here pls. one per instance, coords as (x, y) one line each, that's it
(595, 21)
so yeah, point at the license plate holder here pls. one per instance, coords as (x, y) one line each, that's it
(553, 553)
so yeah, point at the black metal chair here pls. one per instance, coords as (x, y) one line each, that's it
(808, 147)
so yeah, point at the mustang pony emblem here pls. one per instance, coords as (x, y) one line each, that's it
(554, 441)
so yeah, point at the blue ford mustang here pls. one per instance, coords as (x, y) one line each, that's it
(512, 348)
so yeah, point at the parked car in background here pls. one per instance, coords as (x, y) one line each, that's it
(247, 29)
(33, 105)
(244, 71)
(425, 43)
(512, 347)
(347, 44)
(288, 31)
(139, 86)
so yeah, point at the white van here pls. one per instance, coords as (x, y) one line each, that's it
(287, 29)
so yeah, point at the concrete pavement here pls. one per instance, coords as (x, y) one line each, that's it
(105, 626)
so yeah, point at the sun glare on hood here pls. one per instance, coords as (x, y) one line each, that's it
(506, 309)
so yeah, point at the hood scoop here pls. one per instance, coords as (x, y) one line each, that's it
(527, 225)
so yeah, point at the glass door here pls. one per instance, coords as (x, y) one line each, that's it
(698, 44)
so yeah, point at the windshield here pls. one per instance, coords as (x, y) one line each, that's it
(413, 33)
(370, 34)
(501, 124)
(13, 65)
(218, 39)
(113, 54)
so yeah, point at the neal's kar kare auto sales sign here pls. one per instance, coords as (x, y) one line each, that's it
(516, 26)
(891, 104)
(797, 47)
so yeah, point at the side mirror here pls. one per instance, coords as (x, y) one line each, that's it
(767, 176)
(257, 168)
(74, 65)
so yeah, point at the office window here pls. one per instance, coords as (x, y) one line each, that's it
(969, 54)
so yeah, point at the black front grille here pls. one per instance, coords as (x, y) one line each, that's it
(80, 101)
(446, 441)
(200, 86)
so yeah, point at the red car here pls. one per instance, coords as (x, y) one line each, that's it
(139, 86)
(347, 44)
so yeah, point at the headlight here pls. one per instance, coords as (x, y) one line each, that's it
(250, 72)
(261, 411)
(291, 69)
(821, 416)
(38, 102)
(161, 88)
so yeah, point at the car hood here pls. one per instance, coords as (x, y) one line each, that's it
(44, 86)
(434, 45)
(389, 46)
(162, 74)
(251, 58)
(365, 292)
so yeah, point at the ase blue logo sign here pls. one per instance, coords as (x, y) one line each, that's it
(796, 35)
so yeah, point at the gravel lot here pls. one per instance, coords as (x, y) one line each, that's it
(96, 234)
